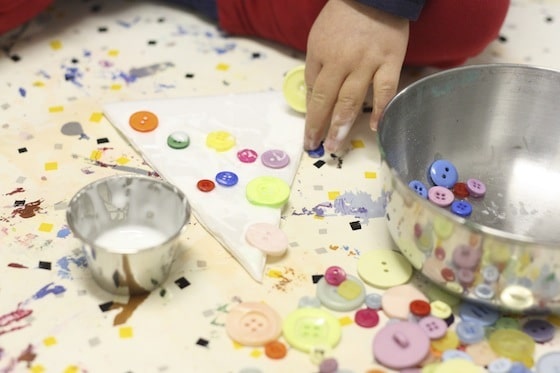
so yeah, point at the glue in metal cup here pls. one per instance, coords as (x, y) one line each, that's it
(129, 227)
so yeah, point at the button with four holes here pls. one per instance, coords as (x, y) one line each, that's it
(220, 141)
(253, 324)
(476, 187)
(305, 328)
(226, 178)
(461, 208)
(441, 196)
(268, 238)
(247, 155)
(434, 327)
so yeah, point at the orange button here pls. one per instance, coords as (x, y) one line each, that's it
(275, 350)
(143, 121)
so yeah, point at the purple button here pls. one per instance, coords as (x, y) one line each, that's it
(443, 173)
(540, 330)
(275, 158)
(247, 155)
(476, 187)
(334, 275)
(440, 196)
(465, 276)
(467, 257)
(434, 327)
(401, 345)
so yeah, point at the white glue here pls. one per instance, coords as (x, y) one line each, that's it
(130, 238)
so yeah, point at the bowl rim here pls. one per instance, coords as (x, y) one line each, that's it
(514, 238)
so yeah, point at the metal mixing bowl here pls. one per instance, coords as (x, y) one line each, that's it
(498, 123)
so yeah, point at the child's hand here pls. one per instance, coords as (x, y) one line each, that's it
(350, 46)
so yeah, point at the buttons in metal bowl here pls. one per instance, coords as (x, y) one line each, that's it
(440, 196)
(476, 187)
(443, 173)
(461, 208)
(419, 188)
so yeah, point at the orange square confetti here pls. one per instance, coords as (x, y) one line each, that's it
(51, 166)
(357, 144)
(222, 67)
(370, 175)
(346, 320)
(334, 195)
(56, 109)
(256, 353)
(96, 155)
(56, 44)
(49, 341)
(113, 52)
(122, 160)
(125, 332)
(96, 117)
(115, 87)
(45, 227)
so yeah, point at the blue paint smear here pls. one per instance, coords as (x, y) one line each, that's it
(44, 74)
(63, 265)
(87, 53)
(128, 78)
(72, 74)
(22, 92)
(63, 233)
(226, 48)
(49, 289)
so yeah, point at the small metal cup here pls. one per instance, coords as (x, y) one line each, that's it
(117, 205)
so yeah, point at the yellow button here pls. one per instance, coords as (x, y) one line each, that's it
(143, 121)
(306, 328)
(458, 365)
(294, 89)
(449, 341)
(220, 140)
(440, 309)
(443, 227)
(513, 344)
(349, 289)
(267, 191)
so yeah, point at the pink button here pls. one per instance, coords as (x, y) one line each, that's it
(434, 327)
(268, 238)
(441, 196)
(366, 317)
(465, 256)
(334, 275)
(275, 158)
(401, 345)
(247, 155)
(476, 187)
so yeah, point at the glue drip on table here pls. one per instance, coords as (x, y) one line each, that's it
(74, 129)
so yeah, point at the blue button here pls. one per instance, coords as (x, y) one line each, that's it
(500, 365)
(538, 329)
(490, 273)
(477, 313)
(443, 173)
(461, 208)
(226, 178)
(317, 153)
(455, 354)
(373, 301)
(549, 362)
(419, 187)
(469, 332)
(484, 291)
(518, 367)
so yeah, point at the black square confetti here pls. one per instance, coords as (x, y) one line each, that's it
(15, 58)
(189, 75)
(152, 42)
(320, 163)
(316, 278)
(256, 55)
(388, 217)
(102, 140)
(19, 202)
(182, 282)
(355, 225)
(22, 150)
(104, 307)
(202, 342)
(367, 109)
(45, 265)
(102, 29)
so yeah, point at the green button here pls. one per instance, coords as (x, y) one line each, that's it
(267, 191)
(178, 140)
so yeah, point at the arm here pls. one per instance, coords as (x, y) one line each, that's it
(350, 46)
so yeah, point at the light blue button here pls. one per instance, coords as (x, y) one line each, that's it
(443, 173)
(373, 301)
(485, 316)
(455, 354)
(484, 291)
(517, 367)
(307, 301)
(419, 188)
(490, 274)
(500, 365)
(549, 363)
(469, 332)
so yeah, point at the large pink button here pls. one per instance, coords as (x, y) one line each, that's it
(334, 275)
(267, 238)
(275, 158)
(253, 324)
(401, 345)
(434, 327)
(441, 196)
(476, 187)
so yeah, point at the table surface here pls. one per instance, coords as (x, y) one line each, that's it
(55, 76)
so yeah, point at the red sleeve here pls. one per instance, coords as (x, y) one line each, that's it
(14, 13)
(285, 21)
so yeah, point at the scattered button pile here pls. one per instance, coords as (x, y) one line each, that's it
(446, 190)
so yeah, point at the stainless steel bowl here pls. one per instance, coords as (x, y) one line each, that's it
(498, 123)
(129, 227)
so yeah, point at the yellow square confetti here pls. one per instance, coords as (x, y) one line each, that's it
(71, 369)
(256, 353)
(96, 155)
(45, 227)
(49, 341)
(56, 109)
(125, 332)
(122, 160)
(51, 166)
(38, 83)
(274, 273)
(237, 345)
(115, 87)
(56, 44)
(333, 195)
(357, 144)
(222, 67)
(37, 368)
(370, 175)
(113, 52)
(96, 117)
(346, 320)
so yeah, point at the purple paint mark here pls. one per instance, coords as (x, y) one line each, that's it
(87, 53)
(64, 232)
(63, 265)
(105, 63)
(359, 205)
(22, 92)
(48, 289)
(73, 74)
(128, 78)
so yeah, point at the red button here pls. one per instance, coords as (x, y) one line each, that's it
(420, 308)
(366, 317)
(460, 190)
(205, 185)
